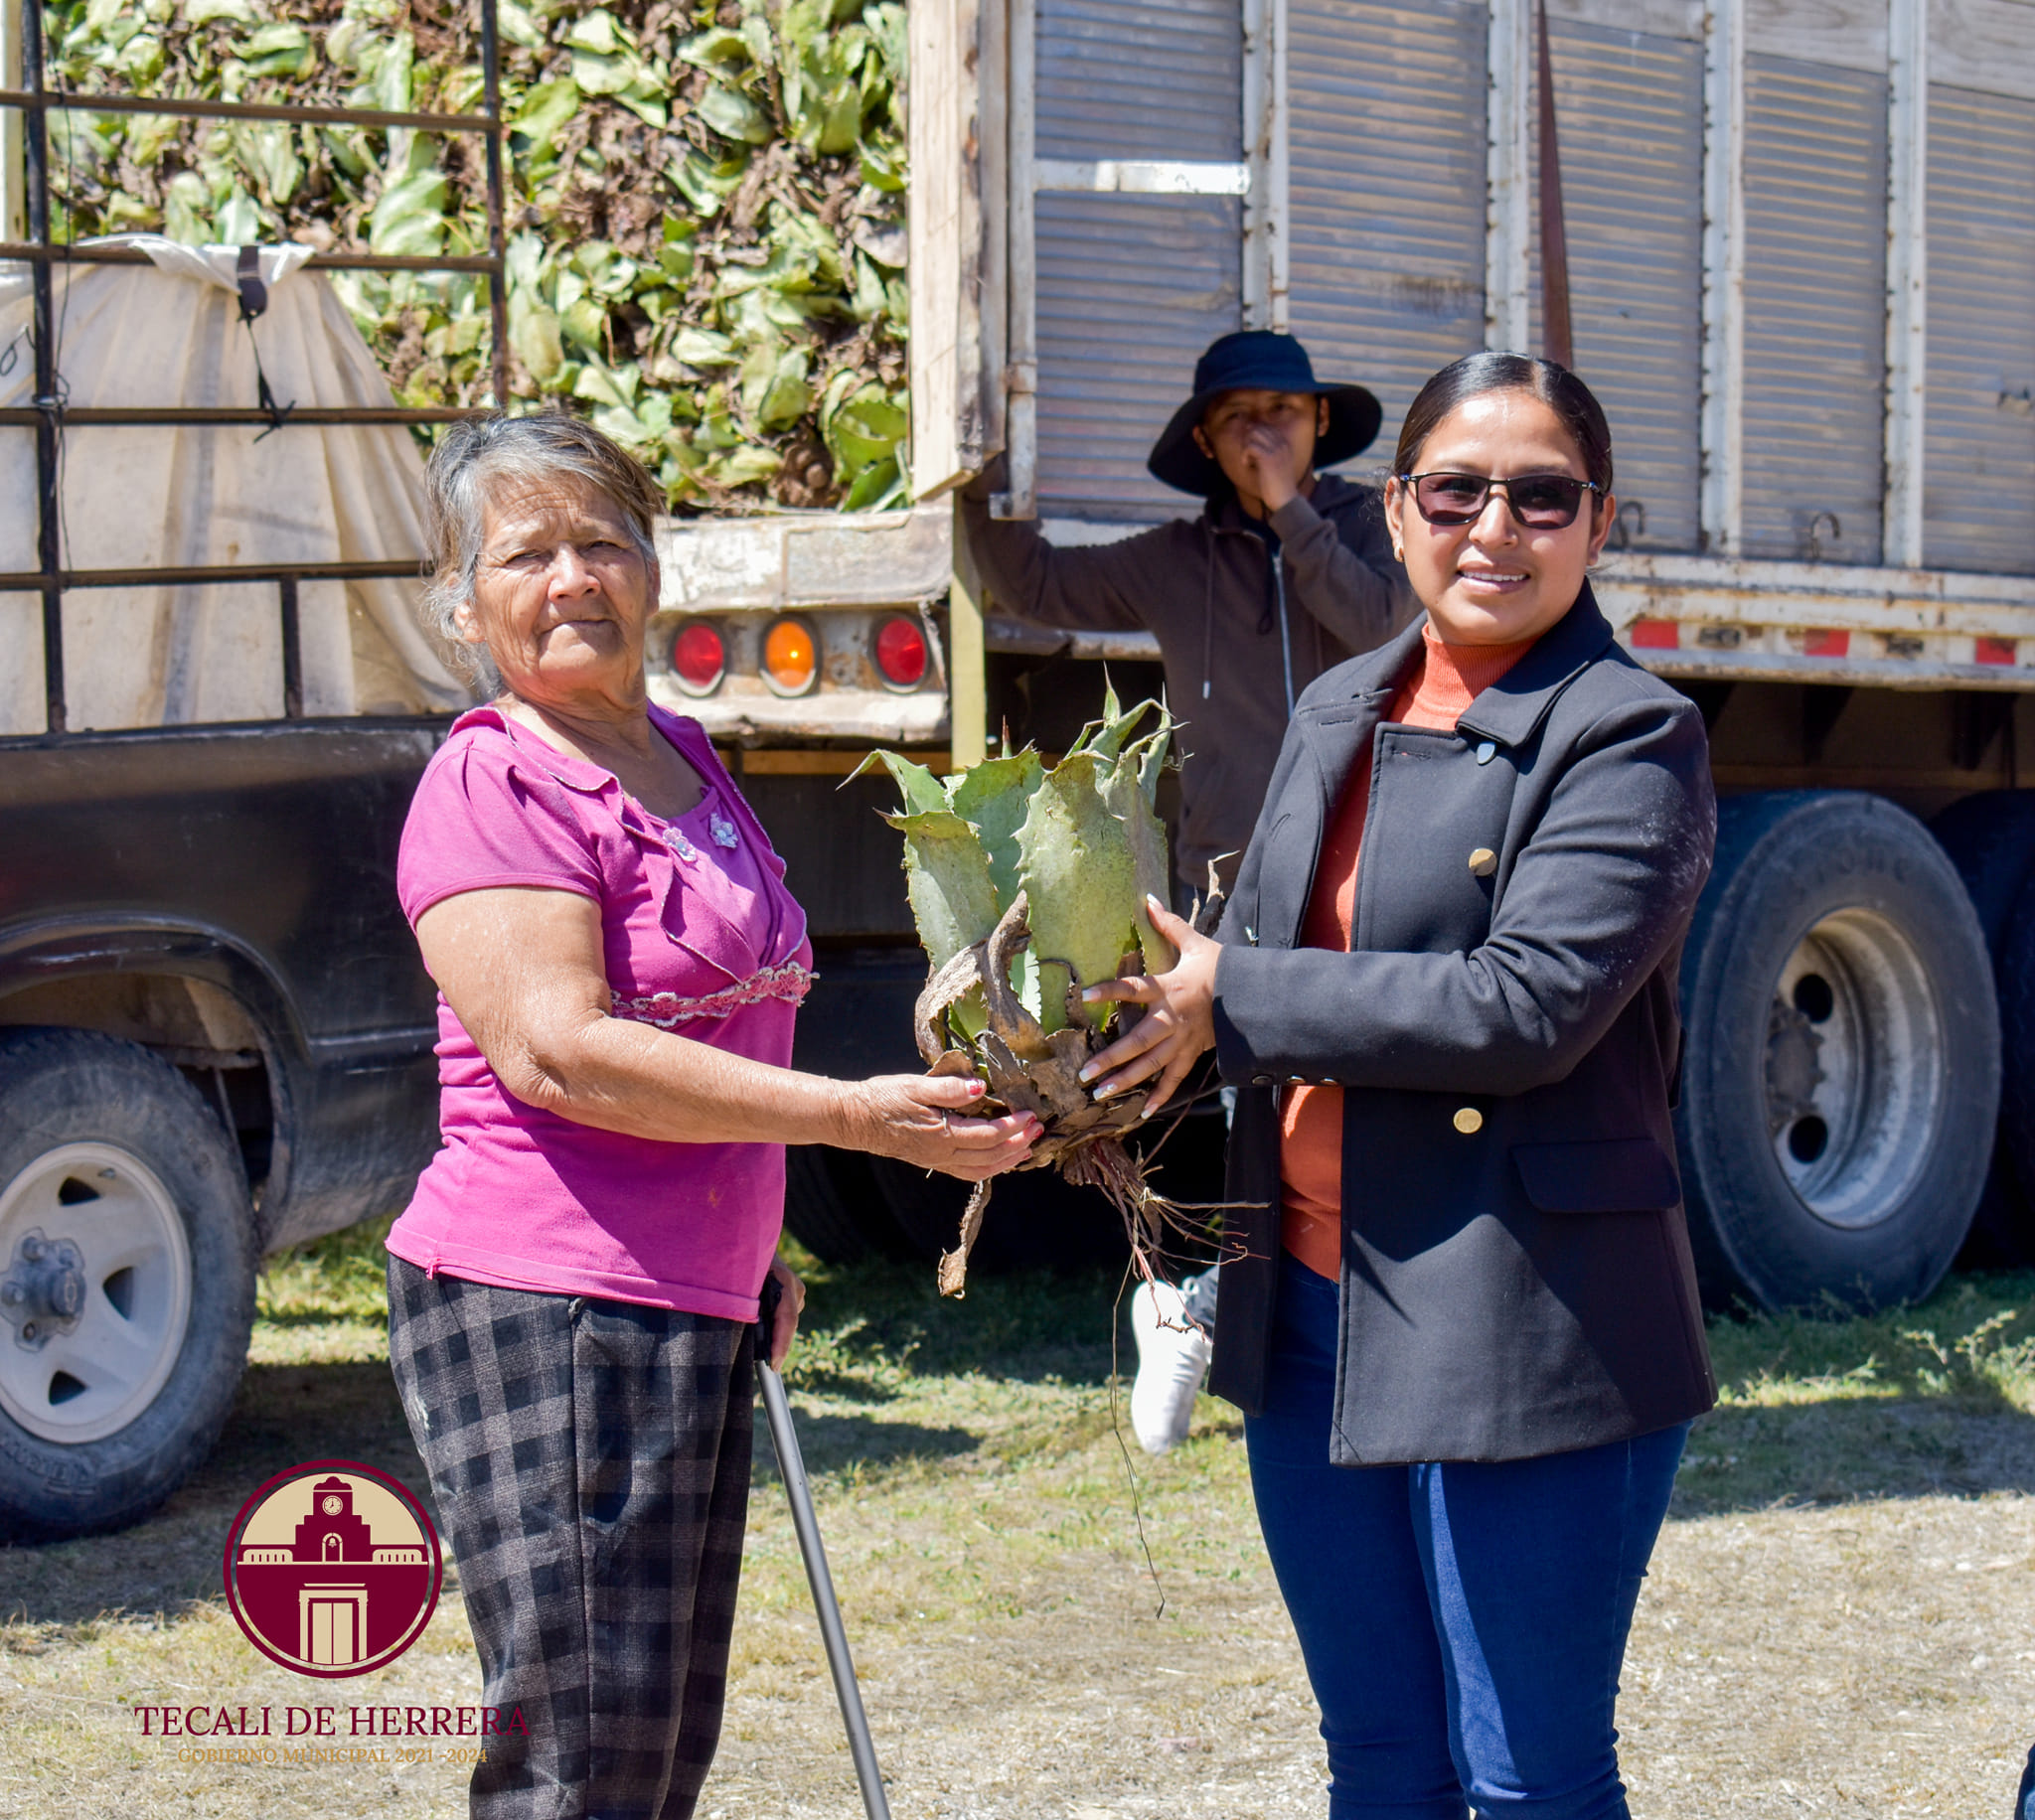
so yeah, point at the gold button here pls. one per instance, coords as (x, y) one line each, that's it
(1484, 862)
(1468, 1121)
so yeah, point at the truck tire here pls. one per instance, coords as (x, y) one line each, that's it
(1840, 1082)
(834, 1208)
(1990, 838)
(127, 1260)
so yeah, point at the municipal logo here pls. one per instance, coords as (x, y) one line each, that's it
(333, 1568)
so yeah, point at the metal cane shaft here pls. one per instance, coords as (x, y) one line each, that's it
(791, 1467)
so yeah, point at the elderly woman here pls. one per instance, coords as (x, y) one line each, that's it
(572, 1289)
(1465, 1333)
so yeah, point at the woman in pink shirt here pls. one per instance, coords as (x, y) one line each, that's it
(573, 1287)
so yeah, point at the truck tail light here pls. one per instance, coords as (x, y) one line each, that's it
(699, 657)
(791, 657)
(901, 652)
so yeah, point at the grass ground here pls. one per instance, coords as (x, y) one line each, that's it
(1841, 1620)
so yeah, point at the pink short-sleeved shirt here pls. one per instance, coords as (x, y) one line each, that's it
(700, 937)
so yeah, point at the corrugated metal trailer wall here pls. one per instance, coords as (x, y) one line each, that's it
(1630, 107)
(1130, 288)
(1978, 477)
(1386, 268)
(1386, 161)
(1815, 335)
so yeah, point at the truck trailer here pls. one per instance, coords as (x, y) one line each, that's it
(1799, 244)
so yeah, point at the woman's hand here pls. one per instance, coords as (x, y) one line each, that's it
(1178, 1021)
(918, 1118)
(791, 1299)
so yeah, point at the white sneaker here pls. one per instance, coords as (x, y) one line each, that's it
(1172, 1359)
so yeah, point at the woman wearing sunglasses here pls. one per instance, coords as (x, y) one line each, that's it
(1465, 1329)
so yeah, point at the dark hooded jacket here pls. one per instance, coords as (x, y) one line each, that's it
(1209, 590)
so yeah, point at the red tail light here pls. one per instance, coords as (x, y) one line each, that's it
(901, 652)
(699, 657)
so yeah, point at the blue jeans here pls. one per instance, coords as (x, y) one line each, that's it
(1200, 1293)
(1463, 1623)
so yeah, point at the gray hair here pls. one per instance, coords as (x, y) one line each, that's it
(472, 459)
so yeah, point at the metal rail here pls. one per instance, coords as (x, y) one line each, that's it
(50, 416)
(88, 255)
(186, 415)
(73, 101)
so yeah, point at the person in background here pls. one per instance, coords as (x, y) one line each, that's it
(1463, 1329)
(1287, 572)
(573, 1288)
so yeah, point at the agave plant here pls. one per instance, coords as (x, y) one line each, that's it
(1027, 885)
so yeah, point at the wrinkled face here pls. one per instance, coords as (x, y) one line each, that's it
(562, 595)
(1494, 580)
(1237, 419)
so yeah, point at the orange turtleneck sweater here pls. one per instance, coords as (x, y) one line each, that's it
(1435, 695)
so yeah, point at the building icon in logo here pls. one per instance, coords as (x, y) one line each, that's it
(333, 1568)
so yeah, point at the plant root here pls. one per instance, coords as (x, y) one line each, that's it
(1028, 1069)
(954, 1264)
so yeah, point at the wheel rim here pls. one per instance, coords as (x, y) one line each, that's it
(1855, 1078)
(94, 1288)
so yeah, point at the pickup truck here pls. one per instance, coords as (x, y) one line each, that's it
(215, 1041)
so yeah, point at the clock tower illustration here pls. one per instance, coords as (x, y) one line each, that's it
(333, 1568)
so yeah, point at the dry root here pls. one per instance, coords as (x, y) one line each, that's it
(1029, 1070)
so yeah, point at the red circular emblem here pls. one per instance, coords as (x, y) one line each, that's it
(333, 1568)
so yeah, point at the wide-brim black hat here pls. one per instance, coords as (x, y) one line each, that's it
(1259, 359)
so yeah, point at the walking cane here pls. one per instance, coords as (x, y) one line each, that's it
(791, 1467)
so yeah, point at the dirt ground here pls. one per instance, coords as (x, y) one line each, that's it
(1840, 1619)
(1872, 1658)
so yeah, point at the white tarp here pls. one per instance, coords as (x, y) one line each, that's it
(169, 333)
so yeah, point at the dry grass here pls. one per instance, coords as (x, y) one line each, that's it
(1840, 1621)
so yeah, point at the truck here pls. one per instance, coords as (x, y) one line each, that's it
(1790, 246)
(1799, 280)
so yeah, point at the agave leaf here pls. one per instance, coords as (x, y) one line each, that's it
(774, 390)
(1024, 980)
(733, 115)
(740, 467)
(605, 72)
(875, 487)
(409, 217)
(644, 97)
(922, 790)
(993, 797)
(1109, 737)
(1132, 800)
(702, 348)
(599, 31)
(517, 24)
(947, 878)
(534, 334)
(716, 45)
(1080, 878)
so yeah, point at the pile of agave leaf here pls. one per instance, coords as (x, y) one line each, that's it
(705, 205)
(1027, 885)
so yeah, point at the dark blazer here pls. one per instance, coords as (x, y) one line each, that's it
(1517, 1278)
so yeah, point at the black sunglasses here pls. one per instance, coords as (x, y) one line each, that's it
(1538, 502)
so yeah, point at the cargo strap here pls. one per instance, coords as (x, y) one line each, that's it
(254, 301)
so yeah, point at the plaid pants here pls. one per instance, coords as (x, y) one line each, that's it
(591, 1463)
